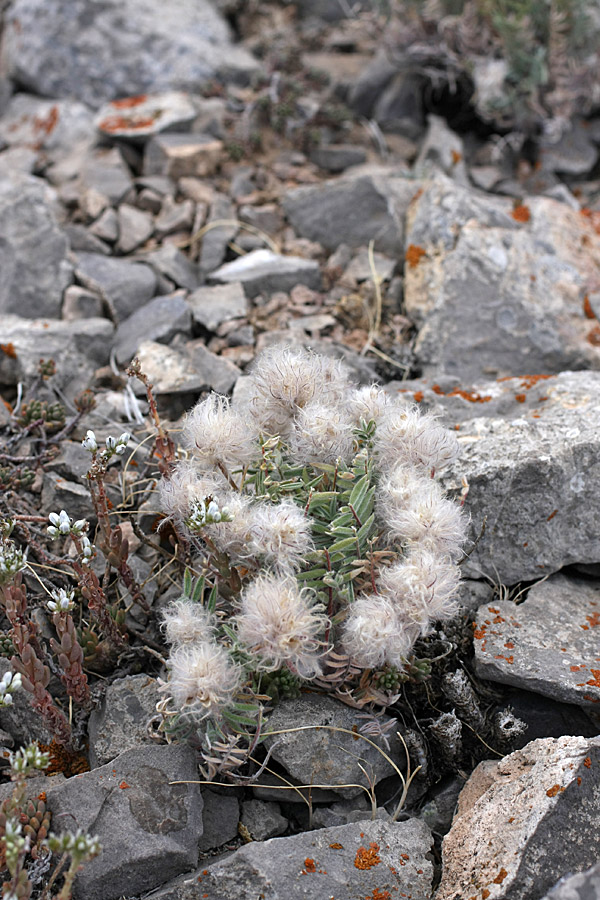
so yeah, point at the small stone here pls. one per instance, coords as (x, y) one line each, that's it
(80, 303)
(169, 261)
(58, 493)
(138, 118)
(159, 320)
(218, 373)
(360, 268)
(220, 818)
(221, 228)
(337, 157)
(442, 149)
(135, 227)
(174, 217)
(149, 200)
(179, 155)
(266, 218)
(263, 820)
(263, 271)
(576, 887)
(575, 153)
(106, 226)
(125, 284)
(104, 171)
(211, 306)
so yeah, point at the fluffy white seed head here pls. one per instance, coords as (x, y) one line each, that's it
(233, 537)
(373, 633)
(422, 587)
(406, 436)
(369, 402)
(185, 486)
(216, 433)
(278, 624)
(415, 511)
(321, 434)
(280, 534)
(203, 678)
(286, 380)
(185, 622)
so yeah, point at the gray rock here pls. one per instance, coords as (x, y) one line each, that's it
(217, 236)
(220, 818)
(399, 109)
(338, 157)
(174, 217)
(442, 149)
(72, 462)
(83, 240)
(168, 260)
(218, 372)
(104, 172)
(183, 155)
(106, 226)
(78, 347)
(545, 644)
(537, 480)
(527, 823)
(210, 306)
(263, 820)
(159, 320)
(360, 267)
(575, 153)
(327, 213)
(126, 285)
(33, 250)
(129, 49)
(325, 757)
(323, 864)
(20, 720)
(50, 125)
(263, 271)
(514, 297)
(139, 118)
(187, 370)
(79, 303)
(134, 227)
(266, 217)
(120, 723)
(59, 493)
(371, 83)
(148, 827)
(584, 886)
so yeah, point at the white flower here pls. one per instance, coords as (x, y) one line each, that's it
(373, 633)
(415, 511)
(405, 436)
(10, 682)
(321, 434)
(186, 622)
(279, 533)
(422, 587)
(89, 442)
(62, 600)
(87, 550)
(286, 380)
(219, 434)
(60, 524)
(278, 625)
(203, 678)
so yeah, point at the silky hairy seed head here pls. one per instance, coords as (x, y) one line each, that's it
(369, 402)
(216, 433)
(186, 485)
(373, 634)
(280, 627)
(422, 587)
(185, 621)
(423, 516)
(286, 380)
(203, 678)
(280, 534)
(405, 436)
(321, 434)
(233, 537)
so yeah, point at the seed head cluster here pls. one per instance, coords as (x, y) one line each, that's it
(319, 529)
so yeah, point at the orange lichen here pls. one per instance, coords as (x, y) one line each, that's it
(379, 895)
(594, 336)
(9, 350)
(122, 123)
(500, 876)
(521, 213)
(366, 859)
(509, 645)
(587, 762)
(336, 846)
(47, 124)
(124, 785)
(594, 619)
(309, 865)
(128, 102)
(551, 516)
(456, 157)
(554, 790)
(62, 760)
(418, 395)
(479, 633)
(595, 681)
(587, 308)
(485, 894)
(413, 255)
(520, 398)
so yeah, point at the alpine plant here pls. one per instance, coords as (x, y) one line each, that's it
(326, 546)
